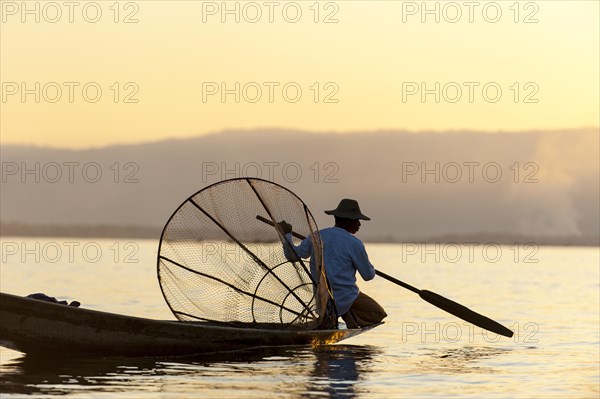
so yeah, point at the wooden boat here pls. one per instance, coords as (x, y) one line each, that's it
(34, 326)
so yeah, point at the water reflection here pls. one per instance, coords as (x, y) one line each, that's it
(332, 371)
(339, 369)
(54, 375)
(461, 360)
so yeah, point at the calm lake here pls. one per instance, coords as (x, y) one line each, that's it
(550, 297)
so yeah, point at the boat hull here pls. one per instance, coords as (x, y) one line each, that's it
(33, 326)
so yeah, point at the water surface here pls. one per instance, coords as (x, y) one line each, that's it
(549, 296)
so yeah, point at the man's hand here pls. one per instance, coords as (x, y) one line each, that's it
(284, 227)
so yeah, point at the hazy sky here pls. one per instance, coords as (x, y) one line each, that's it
(147, 70)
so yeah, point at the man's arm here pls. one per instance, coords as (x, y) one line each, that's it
(303, 250)
(361, 262)
(292, 252)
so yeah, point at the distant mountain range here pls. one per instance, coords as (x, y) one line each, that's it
(540, 186)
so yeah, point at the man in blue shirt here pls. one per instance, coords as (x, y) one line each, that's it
(344, 255)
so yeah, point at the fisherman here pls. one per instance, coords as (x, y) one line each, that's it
(344, 254)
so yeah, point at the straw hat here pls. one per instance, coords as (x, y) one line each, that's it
(348, 209)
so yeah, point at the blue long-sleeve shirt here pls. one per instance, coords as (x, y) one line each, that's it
(343, 255)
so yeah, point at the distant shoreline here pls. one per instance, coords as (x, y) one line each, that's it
(83, 231)
(455, 186)
(149, 232)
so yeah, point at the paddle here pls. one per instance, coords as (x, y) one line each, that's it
(458, 310)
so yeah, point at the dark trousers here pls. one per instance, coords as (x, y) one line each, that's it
(364, 312)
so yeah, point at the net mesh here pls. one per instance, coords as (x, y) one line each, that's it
(217, 262)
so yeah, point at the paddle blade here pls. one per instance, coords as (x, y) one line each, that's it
(464, 313)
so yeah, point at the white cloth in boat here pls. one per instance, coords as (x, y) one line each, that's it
(343, 255)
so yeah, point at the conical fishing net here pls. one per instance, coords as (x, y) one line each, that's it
(219, 263)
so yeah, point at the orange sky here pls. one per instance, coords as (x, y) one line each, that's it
(148, 70)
